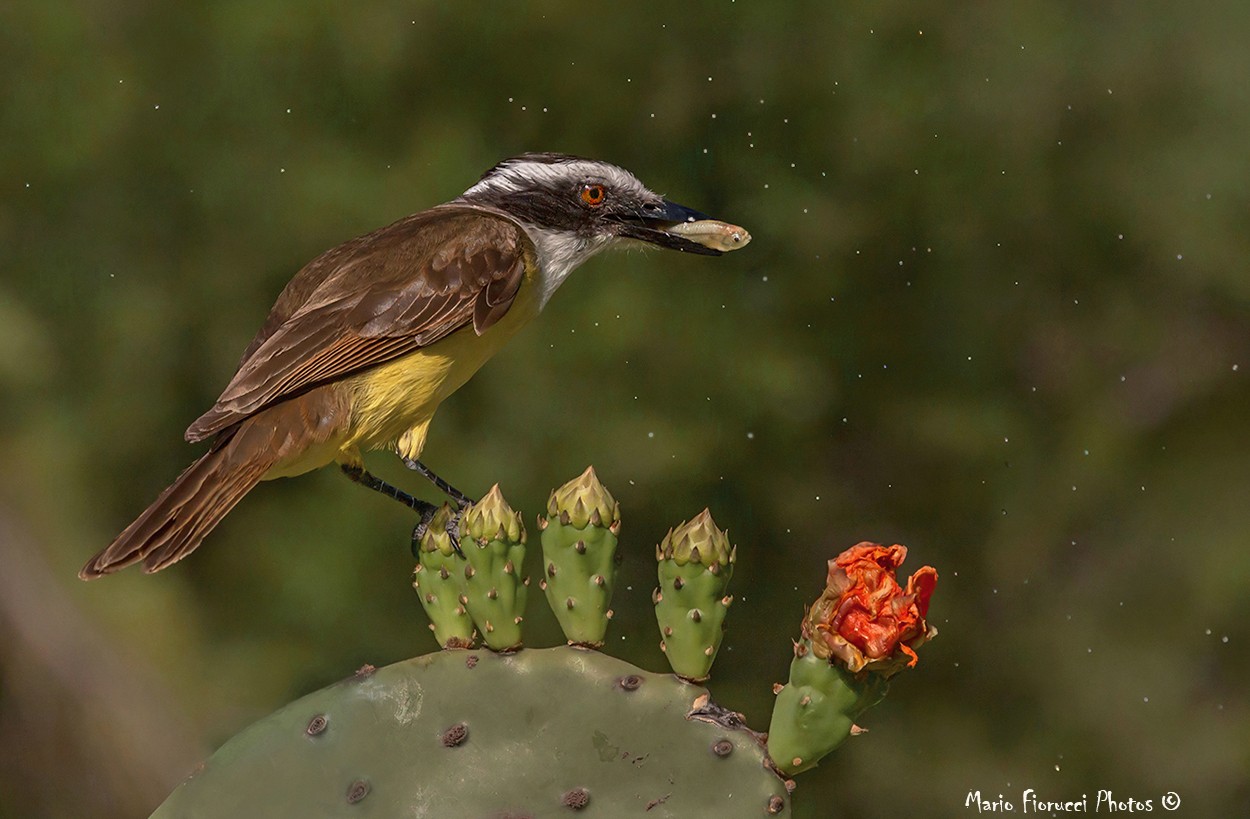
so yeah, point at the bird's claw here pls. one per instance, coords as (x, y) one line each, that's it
(452, 528)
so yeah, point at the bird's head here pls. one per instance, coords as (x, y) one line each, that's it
(596, 202)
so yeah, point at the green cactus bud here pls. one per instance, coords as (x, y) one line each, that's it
(493, 541)
(539, 732)
(815, 712)
(695, 564)
(579, 539)
(585, 500)
(439, 581)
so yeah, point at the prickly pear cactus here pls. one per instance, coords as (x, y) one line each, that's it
(541, 732)
(695, 564)
(579, 539)
(439, 579)
(493, 541)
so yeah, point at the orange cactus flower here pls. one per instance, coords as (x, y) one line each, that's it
(864, 619)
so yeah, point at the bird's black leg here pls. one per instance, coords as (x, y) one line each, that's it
(426, 509)
(365, 478)
(462, 500)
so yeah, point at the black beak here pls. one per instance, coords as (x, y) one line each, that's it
(650, 224)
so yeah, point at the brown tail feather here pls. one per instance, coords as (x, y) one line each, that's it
(178, 521)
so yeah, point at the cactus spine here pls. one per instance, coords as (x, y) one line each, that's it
(579, 540)
(695, 564)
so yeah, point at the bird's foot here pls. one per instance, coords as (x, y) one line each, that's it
(452, 527)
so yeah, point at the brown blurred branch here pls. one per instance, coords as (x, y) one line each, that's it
(74, 705)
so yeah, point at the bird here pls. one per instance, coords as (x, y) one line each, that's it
(369, 338)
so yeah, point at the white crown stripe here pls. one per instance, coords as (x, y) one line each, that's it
(520, 174)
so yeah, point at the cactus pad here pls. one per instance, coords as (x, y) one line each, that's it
(695, 564)
(816, 711)
(542, 732)
(579, 539)
(439, 581)
(493, 541)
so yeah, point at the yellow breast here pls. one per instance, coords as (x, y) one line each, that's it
(392, 404)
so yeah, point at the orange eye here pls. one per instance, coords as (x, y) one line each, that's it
(593, 195)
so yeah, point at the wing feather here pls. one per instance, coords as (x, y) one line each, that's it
(374, 299)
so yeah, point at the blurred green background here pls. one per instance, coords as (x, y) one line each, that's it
(997, 308)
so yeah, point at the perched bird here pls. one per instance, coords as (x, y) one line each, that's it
(370, 337)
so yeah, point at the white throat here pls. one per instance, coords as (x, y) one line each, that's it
(559, 254)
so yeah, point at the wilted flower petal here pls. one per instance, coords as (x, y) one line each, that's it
(865, 619)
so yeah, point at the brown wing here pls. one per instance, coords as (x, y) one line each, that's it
(374, 299)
